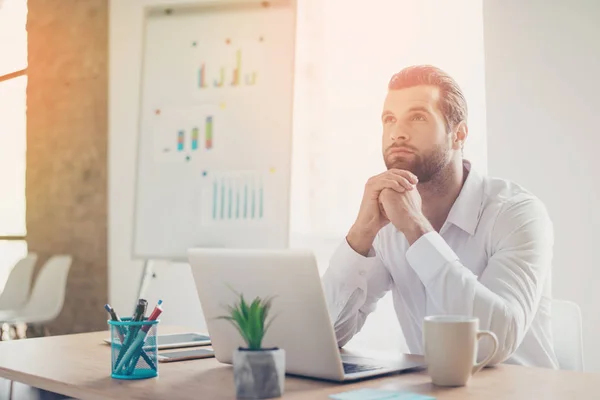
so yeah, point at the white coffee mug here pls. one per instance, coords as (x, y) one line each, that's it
(451, 348)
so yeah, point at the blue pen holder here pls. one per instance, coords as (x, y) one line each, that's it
(133, 349)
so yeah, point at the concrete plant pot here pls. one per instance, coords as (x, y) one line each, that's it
(259, 374)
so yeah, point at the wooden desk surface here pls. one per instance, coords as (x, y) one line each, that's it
(79, 366)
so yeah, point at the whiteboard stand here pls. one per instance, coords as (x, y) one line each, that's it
(147, 275)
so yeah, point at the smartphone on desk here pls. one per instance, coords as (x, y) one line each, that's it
(185, 355)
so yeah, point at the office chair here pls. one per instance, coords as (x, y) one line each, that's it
(18, 285)
(47, 297)
(567, 333)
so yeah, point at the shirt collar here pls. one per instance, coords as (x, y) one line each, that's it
(466, 209)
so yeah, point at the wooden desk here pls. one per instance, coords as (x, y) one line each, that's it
(79, 366)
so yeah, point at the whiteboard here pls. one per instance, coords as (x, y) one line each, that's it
(214, 141)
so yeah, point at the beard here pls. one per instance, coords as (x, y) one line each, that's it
(426, 166)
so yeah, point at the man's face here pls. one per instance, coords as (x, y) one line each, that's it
(414, 132)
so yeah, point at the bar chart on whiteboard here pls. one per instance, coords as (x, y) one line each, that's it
(237, 197)
(182, 135)
(238, 78)
(230, 63)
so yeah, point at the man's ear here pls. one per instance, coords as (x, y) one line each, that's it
(460, 135)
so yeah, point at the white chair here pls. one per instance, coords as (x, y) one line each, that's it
(18, 284)
(567, 333)
(48, 294)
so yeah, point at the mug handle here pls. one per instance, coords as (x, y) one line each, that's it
(483, 363)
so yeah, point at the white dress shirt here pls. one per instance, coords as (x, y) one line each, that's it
(491, 259)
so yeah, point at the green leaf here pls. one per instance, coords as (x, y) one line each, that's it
(250, 319)
(255, 323)
(242, 324)
(244, 307)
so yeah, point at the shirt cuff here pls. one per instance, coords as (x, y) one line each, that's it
(428, 255)
(349, 263)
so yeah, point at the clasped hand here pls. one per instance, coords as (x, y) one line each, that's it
(401, 203)
(391, 196)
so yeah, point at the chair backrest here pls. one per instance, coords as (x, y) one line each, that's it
(567, 333)
(18, 285)
(48, 294)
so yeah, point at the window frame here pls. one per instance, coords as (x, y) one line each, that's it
(13, 75)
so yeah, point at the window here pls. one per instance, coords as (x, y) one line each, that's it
(13, 83)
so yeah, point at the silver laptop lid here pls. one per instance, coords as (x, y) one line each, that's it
(301, 324)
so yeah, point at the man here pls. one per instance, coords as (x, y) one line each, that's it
(443, 238)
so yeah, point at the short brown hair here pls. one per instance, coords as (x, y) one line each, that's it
(452, 103)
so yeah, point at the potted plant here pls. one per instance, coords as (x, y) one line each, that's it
(259, 373)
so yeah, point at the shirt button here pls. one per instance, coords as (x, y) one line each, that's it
(362, 273)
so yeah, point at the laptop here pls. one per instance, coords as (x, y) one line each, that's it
(301, 324)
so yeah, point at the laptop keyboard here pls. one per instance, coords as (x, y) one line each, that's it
(350, 368)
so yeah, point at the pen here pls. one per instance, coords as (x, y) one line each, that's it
(115, 317)
(138, 315)
(140, 310)
(130, 355)
(154, 315)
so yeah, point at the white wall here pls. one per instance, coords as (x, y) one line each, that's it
(542, 64)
